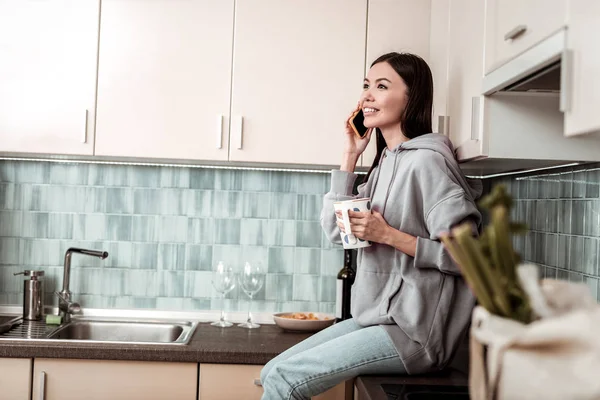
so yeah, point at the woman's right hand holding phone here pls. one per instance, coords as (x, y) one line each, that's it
(354, 146)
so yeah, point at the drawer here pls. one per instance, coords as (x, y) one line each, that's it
(513, 26)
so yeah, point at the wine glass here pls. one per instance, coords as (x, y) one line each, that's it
(251, 280)
(223, 282)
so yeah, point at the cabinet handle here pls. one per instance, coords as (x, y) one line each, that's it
(42, 393)
(257, 382)
(475, 118)
(238, 123)
(515, 32)
(566, 64)
(219, 131)
(85, 122)
(444, 125)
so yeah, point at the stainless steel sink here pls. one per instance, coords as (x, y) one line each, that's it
(141, 332)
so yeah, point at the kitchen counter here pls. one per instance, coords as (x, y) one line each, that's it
(209, 344)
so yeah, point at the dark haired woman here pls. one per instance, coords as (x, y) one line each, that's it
(410, 306)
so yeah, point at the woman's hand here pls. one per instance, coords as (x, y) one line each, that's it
(355, 145)
(368, 225)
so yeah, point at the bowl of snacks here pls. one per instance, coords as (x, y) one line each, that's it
(303, 321)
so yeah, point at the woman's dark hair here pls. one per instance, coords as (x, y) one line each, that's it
(416, 118)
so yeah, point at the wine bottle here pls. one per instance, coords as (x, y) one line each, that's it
(345, 279)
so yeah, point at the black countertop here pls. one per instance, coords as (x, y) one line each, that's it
(209, 344)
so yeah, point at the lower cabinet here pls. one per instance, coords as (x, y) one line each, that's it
(234, 382)
(66, 379)
(15, 378)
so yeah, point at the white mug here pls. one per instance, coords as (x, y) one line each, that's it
(349, 241)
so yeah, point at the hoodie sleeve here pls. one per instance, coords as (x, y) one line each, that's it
(446, 214)
(342, 183)
(451, 207)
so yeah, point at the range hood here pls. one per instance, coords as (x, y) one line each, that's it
(540, 69)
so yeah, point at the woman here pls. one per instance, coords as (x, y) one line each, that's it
(410, 305)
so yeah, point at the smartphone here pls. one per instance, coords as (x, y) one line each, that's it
(357, 124)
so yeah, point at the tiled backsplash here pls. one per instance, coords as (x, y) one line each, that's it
(562, 210)
(165, 228)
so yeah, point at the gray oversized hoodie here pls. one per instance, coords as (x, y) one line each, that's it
(422, 302)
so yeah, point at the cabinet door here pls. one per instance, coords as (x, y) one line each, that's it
(297, 73)
(233, 382)
(583, 79)
(48, 53)
(229, 382)
(164, 78)
(401, 26)
(526, 21)
(438, 56)
(15, 378)
(465, 73)
(94, 379)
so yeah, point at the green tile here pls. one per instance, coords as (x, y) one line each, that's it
(228, 179)
(227, 204)
(144, 228)
(171, 283)
(592, 180)
(11, 223)
(307, 261)
(118, 227)
(254, 231)
(11, 196)
(283, 206)
(309, 207)
(306, 287)
(144, 255)
(256, 181)
(279, 287)
(143, 176)
(171, 256)
(108, 175)
(284, 182)
(308, 234)
(256, 205)
(173, 229)
(174, 177)
(200, 203)
(119, 200)
(202, 178)
(281, 260)
(68, 174)
(201, 230)
(32, 172)
(332, 261)
(141, 283)
(328, 288)
(230, 255)
(227, 231)
(317, 183)
(281, 233)
(198, 284)
(198, 258)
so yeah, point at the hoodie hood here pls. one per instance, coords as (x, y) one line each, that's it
(442, 145)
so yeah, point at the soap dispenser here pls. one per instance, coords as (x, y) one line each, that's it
(33, 306)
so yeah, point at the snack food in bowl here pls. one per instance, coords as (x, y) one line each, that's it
(303, 321)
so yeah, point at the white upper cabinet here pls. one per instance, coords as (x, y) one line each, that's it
(164, 78)
(395, 25)
(583, 74)
(48, 56)
(297, 73)
(513, 26)
(465, 72)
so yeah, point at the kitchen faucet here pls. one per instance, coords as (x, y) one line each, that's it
(65, 305)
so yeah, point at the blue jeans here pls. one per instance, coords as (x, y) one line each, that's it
(338, 353)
